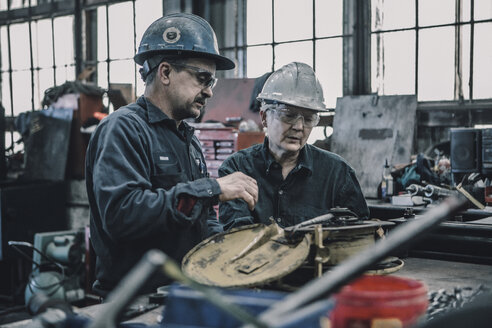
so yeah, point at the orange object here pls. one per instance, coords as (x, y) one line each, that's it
(380, 301)
(100, 115)
(488, 195)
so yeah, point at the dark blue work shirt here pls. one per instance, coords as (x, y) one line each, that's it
(321, 180)
(138, 165)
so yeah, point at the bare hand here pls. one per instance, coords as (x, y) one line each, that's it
(239, 185)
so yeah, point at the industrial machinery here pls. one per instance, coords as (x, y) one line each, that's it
(292, 310)
(57, 265)
(260, 255)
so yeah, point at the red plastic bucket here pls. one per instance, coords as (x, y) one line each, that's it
(380, 301)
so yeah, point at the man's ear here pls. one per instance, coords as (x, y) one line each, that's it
(164, 70)
(263, 116)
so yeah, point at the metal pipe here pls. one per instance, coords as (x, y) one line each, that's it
(350, 269)
(432, 191)
(132, 283)
(128, 288)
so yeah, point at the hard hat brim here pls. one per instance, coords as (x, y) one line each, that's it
(221, 62)
(274, 101)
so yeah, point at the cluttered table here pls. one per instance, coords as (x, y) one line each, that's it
(454, 259)
(438, 275)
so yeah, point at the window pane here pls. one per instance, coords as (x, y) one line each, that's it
(436, 12)
(4, 48)
(19, 38)
(259, 60)
(329, 65)
(121, 31)
(21, 87)
(393, 63)
(6, 94)
(146, 11)
(122, 71)
(236, 57)
(466, 10)
(297, 51)
(465, 62)
(140, 83)
(102, 75)
(8, 141)
(65, 73)
(482, 61)
(483, 9)
(436, 64)
(43, 81)
(387, 15)
(329, 17)
(15, 4)
(42, 43)
(102, 47)
(259, 21)
(292, 20)
(63, 41)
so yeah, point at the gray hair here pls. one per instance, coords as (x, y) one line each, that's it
(154, 62)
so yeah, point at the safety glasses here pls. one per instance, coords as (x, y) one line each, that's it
(290, 116)
(204, 77)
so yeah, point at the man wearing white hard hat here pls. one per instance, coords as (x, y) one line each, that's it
(296, 181)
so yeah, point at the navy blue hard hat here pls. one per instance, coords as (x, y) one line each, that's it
(184, 35)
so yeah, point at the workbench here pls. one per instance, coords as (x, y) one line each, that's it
(464, 237)
(436, 274)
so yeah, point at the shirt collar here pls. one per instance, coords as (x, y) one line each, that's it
(156, 115)
(153, 112)
(304, 162)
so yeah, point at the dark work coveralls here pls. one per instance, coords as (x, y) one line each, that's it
(139, 166)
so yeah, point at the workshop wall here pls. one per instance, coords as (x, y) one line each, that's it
(77, 209)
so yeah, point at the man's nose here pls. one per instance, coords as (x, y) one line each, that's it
(299, 123)
(207, 91)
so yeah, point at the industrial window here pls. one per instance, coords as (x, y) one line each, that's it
(439, 49)
(37, 49)
(127, 22)
(34, 57)
(282, 31)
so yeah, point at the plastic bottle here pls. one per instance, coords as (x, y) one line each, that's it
(387, 184)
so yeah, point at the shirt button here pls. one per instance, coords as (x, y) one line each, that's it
(280, 192)
(210, 192)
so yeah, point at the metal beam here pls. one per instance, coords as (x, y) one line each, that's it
(356, 47)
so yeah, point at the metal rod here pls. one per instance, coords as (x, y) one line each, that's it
(128, 288)
(132, 283)
(347, 271)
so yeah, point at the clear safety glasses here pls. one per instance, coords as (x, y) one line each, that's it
(204, 77)
(290, 116)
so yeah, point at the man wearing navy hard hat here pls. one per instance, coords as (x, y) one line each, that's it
(146, 177)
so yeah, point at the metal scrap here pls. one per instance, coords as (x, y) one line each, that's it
(442, 301)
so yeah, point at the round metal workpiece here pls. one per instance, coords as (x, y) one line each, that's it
(248, 256)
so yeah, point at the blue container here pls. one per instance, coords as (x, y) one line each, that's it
(188, 308)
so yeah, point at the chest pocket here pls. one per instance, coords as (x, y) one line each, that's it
(167, 172)
(198, 164)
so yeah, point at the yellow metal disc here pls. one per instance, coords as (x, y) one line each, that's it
(248, 256)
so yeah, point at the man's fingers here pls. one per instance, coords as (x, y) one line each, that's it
(253, 191)
(249, 199)
(239, 185)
